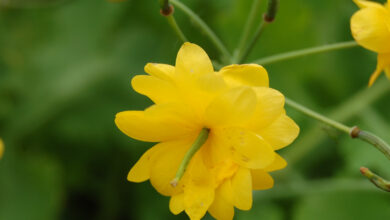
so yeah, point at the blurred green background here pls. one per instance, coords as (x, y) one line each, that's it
(65, 70)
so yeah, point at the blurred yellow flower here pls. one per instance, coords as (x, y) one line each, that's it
(1, 148)
(371, 29)
(246, 121)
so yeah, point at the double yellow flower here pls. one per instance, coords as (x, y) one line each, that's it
(247, 124)
(371, 29)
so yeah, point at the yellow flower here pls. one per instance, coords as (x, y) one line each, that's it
(1, 148)
(371, 29)
(246, 121)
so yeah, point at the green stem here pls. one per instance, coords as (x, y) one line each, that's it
(350, 108)
(372, 139)
(318, 116)
(248, 27)
(305, 52)
(268, 18)
(253, 42)
(354, 132)
(200, 140)
(207, 30)
(375, 179)
(176, 28)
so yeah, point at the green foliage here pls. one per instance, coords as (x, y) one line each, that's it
(65, 70)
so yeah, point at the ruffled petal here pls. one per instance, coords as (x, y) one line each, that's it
(233, 107)
(261, 180)
(221, 209)
(158, 90)
(270, 105)
(278, 164)
(197, 200)
(157, 123)
(176, 203)
(245, 75)
(242, 189)
(366, 4)
(141, 170)
(199, 91)
(226, 191)
(281, 132)
(247, 149)
(192, 59)
(166, 165)
(382, 64)
(161, 71)
(370, 27)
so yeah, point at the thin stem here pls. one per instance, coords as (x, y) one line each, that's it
(372, 139)
(176, 28)
(318, 116)
(305, 52)
(375, 179)
(200, 140)
(207, 30)
(354, 132)
(248, 27)
(268, 18)
(253, 42)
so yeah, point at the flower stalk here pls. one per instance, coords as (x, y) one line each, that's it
(200, 140)
(206, 29)
(354, 132)
(248, 27)
(268, 18)
(305, 52)
(375, 179)
(166, 10)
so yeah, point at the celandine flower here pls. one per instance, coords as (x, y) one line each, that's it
(245, 119)
(371, 29)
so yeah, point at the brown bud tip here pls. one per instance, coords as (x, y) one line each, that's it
(355, 131)
(167, 10)
(268, 18)
(363, 170)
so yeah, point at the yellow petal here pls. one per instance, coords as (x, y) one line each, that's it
(247, 149)
(197, 172)
(192, 59)
(270, 104)
(232, 107)
(176, 203)
(370, 27)
(166, 165)
(158, 90)
(242, 189)
(214, 151)
(221, 209)
(387, 71)
(226, 191)
(278, 164)
(199, 91)
(365, 4)
(383, 63)
(261, 180)
(141, 170)
(157, 123)
(197, 200)
(245, 75)
(280, 133)
(161, 71)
